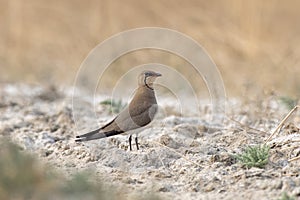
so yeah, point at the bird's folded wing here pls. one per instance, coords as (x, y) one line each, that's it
(127, 121)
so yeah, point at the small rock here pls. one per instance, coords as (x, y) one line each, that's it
(54, 128)
(209, 187)
(163, 189)
(68, 152)
(263, 184)
(168, 141)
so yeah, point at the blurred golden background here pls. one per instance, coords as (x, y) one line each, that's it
(255, 44)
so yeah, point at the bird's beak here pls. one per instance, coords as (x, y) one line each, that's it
(157, 74)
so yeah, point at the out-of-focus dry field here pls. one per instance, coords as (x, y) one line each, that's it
(254, 43)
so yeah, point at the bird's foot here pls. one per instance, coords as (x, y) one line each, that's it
(129, 140)
(136, 143)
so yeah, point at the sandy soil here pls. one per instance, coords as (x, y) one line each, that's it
(180, 157)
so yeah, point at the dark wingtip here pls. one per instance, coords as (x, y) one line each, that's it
(77, 136)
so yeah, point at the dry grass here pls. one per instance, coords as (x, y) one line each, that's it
(255, 43)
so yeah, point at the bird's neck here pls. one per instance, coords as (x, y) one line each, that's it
(146, 85)
(149, 86)
(145, 90)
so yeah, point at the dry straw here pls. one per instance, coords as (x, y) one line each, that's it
(281, 123)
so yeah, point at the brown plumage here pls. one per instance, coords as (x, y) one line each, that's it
(140, 112)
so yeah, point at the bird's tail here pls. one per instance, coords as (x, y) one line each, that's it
(96, 134)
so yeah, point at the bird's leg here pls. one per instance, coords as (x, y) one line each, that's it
(130, 138)
(136, 143)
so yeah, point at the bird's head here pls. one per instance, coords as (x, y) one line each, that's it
(147, 78)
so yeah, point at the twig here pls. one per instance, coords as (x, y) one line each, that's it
(295, 141)
(288, 148)
(281, 123)
(293, 159)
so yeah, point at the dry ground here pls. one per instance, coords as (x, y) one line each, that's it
(180, 157)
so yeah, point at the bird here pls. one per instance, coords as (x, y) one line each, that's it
(139, 112)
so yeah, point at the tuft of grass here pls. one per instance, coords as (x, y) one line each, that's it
(256, 156)
(288, 102)
(285, 196)
(22, 177)
(115, 106)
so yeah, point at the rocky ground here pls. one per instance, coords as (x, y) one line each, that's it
(180, 157)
